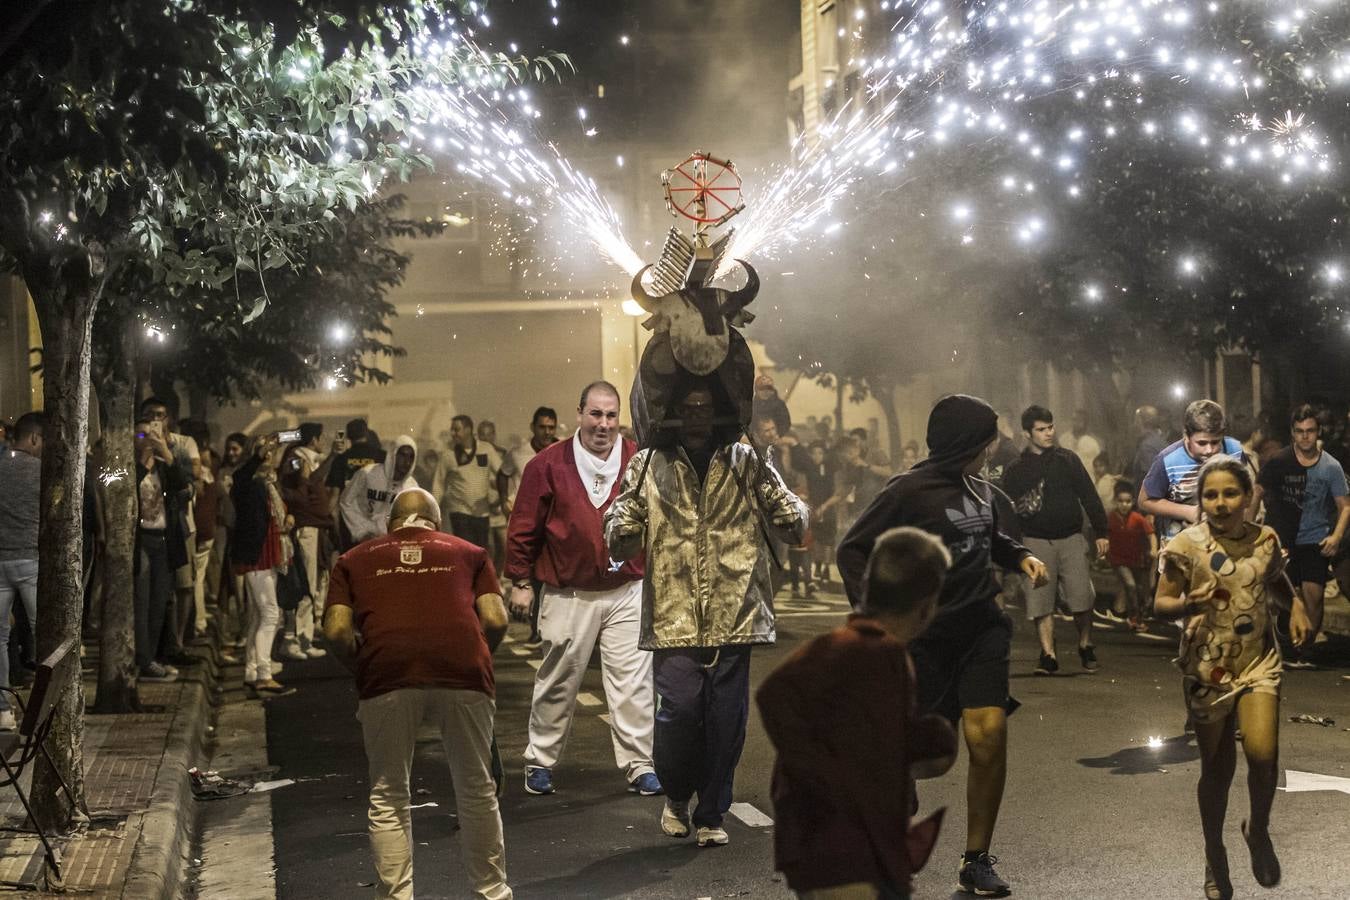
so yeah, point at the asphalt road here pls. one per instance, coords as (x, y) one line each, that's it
(1090, 811)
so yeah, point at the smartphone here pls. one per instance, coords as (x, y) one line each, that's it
(288, 437)
(155, 428)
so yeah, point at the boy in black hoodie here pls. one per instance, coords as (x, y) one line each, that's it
(961, 661)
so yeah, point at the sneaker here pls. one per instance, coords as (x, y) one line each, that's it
(1108, 615)
(675, 819)
(172, 670)
(712, 837)
(316, 653)
(533, 642)
(979, 878)
(538, 780)
(156, 672)
(1138, 626)
(1047, 666)
(1299, 664)
(293, 651)
(646, 784)
(270, 686)
(1088, 655)
(7, 722)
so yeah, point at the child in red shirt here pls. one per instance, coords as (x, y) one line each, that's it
(842, 708)
(1134, 548)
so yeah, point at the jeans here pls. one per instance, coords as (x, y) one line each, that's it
(154, 594)
(704, 705)
(17, 576)
(264, 617)
(389, 724)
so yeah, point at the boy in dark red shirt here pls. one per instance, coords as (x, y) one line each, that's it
(1133, 547)
(842, 708)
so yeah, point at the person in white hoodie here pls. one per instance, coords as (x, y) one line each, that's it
(370, 493)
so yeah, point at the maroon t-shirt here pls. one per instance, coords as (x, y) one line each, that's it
(413, 596)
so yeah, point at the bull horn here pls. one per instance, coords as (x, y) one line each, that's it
(742, 298)
(639, 293)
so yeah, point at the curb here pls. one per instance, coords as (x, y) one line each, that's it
(158, 862)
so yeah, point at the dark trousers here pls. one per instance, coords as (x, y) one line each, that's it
(703, 706)
(473, 529)
(154, 594)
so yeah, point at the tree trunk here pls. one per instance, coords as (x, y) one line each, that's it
(117, 638)
(838, 405)
(884, 391)
(65, 312)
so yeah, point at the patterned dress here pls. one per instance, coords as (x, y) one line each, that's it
(1229, 647)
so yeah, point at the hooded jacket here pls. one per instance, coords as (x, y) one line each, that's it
(371, 491)
(938, 497)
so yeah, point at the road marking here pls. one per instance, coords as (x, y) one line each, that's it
(604, 717)
(535, 663)
(520, 651)
(586, 699)
(1155, 637)
(750, 816)
(1313, 781)
(1103, 625)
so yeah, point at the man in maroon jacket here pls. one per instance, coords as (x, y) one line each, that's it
(556, 536)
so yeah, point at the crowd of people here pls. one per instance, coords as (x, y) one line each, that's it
(668, 558)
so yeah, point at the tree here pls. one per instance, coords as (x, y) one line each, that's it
(164, 131)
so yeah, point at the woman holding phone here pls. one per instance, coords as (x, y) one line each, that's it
(258, 551)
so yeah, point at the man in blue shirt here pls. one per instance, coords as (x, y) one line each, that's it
(1168, 491)
(1308, 505)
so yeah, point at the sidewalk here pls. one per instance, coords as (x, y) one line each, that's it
(137, 789)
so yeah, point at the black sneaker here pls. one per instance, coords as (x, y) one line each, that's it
(1047, 666)
(979, 878)
(1088, 655)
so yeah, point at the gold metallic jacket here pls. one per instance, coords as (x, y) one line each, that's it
(708, 565)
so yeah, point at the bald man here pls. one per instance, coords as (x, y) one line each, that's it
(416, 614)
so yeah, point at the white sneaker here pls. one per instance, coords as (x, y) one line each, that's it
(7, 723)
(316, 652)
(675, 819)
(712, 837)
(292, 651)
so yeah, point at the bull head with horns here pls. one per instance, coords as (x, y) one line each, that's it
(694, 333)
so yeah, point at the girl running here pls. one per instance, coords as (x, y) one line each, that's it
(1225, 577)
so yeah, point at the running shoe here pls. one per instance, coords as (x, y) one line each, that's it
(7, 720)
(1047, 666)
(712, 837)
(1088, 655)
(675, 818)
(646, 784)
(978, 877)
(538, 780)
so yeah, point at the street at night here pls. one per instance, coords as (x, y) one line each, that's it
(675, 449)
(1091, 809)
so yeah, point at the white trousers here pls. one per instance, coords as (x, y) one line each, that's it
(263, 618)
(570, 621)
(308, 615)
(389, 724)
(203, 564)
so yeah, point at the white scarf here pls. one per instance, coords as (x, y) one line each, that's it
(597, 475)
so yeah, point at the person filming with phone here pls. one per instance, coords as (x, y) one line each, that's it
(160, 547)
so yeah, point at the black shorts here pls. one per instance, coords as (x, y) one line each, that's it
(1307, 565)
(968, 672)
